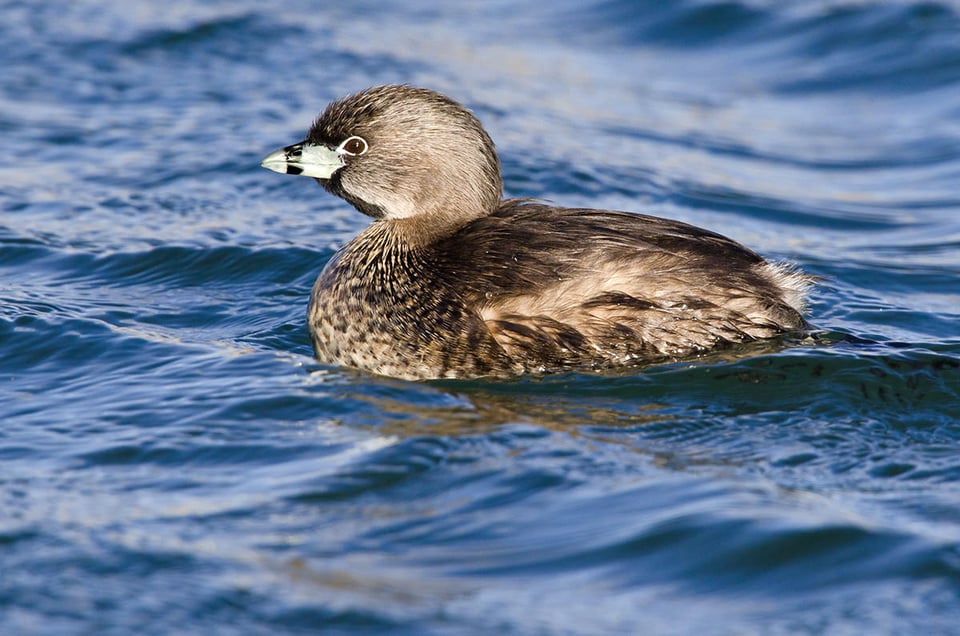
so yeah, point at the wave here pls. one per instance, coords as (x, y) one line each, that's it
(797, 47)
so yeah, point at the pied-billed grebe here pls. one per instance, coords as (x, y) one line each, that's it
(451, 281)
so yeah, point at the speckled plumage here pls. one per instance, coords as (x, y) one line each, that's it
(450, 281)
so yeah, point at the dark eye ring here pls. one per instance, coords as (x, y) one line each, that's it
(354, 146)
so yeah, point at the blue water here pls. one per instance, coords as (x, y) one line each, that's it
(173, 461)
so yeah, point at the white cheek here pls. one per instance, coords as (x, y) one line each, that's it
(395, 207)
(395, 204)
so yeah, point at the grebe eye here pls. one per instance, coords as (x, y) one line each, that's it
(353, 146)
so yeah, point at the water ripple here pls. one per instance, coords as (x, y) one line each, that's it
(175, 460)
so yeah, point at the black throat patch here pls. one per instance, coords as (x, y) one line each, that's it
(333, 185)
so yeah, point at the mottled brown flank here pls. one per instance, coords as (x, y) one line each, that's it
(539, 289)
(452, 282)
(379, 305)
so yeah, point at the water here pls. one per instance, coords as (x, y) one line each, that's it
(173, 460)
